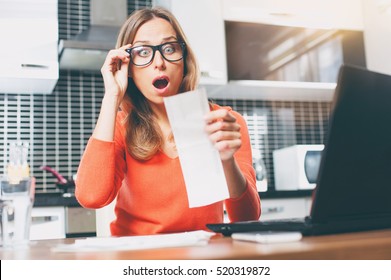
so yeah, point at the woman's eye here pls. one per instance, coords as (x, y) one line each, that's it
(143, 52)
(169, 49)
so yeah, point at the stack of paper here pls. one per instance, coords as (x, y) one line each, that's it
(193, 238)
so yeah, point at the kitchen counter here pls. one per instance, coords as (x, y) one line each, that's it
(48, 199)
(367, 245)
(285, 194)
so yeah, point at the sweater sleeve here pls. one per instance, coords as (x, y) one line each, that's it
(247, 206)
(101, 171)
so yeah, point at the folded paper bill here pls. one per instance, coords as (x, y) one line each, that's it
(192, 238)
(200, 161)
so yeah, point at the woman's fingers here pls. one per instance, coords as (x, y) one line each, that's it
(221, 114)
(224, 132)
(115, 71)
(114, 59)
(223, 126)
(232, 145)
(221, 120)
(224, 135)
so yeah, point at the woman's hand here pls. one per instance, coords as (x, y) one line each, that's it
(224, 132)
(115, 72)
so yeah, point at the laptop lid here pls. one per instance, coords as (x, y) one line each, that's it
(354, 180)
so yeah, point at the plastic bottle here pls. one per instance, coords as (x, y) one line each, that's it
(18, 167)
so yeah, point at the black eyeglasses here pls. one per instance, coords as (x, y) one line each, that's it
(143, 55)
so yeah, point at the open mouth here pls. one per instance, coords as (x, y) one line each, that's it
(160, 83)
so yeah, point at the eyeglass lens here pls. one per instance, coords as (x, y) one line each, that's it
(143, 55)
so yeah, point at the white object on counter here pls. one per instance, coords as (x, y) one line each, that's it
(290, 167)
(268, 236)
(192, 238)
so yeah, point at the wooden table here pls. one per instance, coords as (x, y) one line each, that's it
(362, 245)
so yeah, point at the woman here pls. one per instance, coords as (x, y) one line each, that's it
(132, 156)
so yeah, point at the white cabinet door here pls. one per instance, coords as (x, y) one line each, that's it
(346, 14)
(377, 35)
(283, 208)
(47, 223)
(308, 205)
(28, 52)
(203, 24)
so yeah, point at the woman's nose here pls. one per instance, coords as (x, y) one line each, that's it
(158, 60)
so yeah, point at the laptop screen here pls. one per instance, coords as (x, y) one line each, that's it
(354, 180)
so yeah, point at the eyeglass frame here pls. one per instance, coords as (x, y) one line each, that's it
(158, 48)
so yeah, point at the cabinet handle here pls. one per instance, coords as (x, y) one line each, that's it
(26, 65)
(272, 210)
(44, 219)
(212, 74)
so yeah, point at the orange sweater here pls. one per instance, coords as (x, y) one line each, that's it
(151, 195)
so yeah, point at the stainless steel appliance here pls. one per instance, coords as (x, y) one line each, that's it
(79, 222)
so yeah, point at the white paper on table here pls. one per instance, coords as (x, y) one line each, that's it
(192, 238)
(200, 161)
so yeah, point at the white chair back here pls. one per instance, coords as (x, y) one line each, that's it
(104, 216)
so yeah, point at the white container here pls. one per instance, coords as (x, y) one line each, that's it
(260, 174)
(296, 167)
(16, 199)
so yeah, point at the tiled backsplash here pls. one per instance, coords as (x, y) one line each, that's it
(59, 125)
(277, 124)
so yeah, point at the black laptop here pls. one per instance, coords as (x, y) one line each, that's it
(353, 190)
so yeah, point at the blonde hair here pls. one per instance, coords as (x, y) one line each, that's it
(143, 134)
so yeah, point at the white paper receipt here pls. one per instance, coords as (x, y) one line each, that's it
(200, 161)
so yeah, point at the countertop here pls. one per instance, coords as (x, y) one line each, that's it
(49, 199)
(368, 245)
(270, 194)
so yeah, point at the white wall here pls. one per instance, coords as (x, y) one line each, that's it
(377, 34)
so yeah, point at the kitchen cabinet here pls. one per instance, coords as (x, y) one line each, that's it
(285, 208)
(282, 208)
(337, 14)
(47, 223)
(80, 221)
(52, 222)
(203, 24)
(28, 49)
(377, 35)
(329, 15)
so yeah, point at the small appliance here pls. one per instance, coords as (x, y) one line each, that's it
(296, 167)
